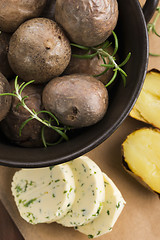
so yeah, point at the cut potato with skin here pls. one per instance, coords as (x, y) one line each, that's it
(141, 156)
(147, 107)
(112, 208)
(90, 193)
(44, 195)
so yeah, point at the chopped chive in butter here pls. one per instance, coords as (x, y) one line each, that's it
(30, 202)
(118, 205)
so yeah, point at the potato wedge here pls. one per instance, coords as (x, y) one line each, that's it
(147, 107)
(141, 156)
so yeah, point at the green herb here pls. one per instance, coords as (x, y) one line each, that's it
(18, 189)
(57, 180)
(84, 167)
(30, 202)
(101, 51)
(30, 215)
(108, 212)
(118, 205)
(151, 27)
(35, 115)
(90, 236)
(50, 168)
(84, 212)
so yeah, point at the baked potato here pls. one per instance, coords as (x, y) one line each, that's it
(76, 100)
(89, 66)
(5, 101)
(39, 50)
(31, 133)
(15, 12)
(88, 23)
(5, 68)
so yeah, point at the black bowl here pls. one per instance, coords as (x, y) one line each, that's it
(133, 37)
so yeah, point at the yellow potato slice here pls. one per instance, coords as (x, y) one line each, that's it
(141, 156)
(147, 107)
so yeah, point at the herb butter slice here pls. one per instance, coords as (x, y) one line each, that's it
(45, 194)
(112, 207)
(90, 192)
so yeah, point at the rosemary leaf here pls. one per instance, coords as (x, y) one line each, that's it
(79, 46)
(49, 113)
(126, 60)
(115, 42)
(85, 56)
(23, 125)
(43, 137)
(25, 85)
(112, 79)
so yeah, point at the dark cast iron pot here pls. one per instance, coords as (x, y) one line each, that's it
(133, 37)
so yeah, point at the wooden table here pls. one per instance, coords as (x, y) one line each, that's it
(8, 229)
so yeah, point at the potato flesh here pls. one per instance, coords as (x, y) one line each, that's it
(147, 107)
(142, 154)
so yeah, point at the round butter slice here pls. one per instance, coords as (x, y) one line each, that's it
(90, 192)
(112, 207)
(44, 194)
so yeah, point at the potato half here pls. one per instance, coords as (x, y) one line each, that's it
(147, 107)
(141, 157)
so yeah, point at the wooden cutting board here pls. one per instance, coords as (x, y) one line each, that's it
(140, 218)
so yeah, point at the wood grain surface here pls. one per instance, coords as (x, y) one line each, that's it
(8, 229)
(140, 218)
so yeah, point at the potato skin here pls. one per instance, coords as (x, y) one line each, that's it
(91, 66)
(77, 100)
(5, 68)
(88, 23)
(31, 133)
(5, 101)
(39, 50)
(15, 12)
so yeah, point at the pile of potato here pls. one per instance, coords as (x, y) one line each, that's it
(35, 45)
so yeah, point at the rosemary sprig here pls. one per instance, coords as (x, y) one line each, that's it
(101, 51)
(35, 115)
(151, 27)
